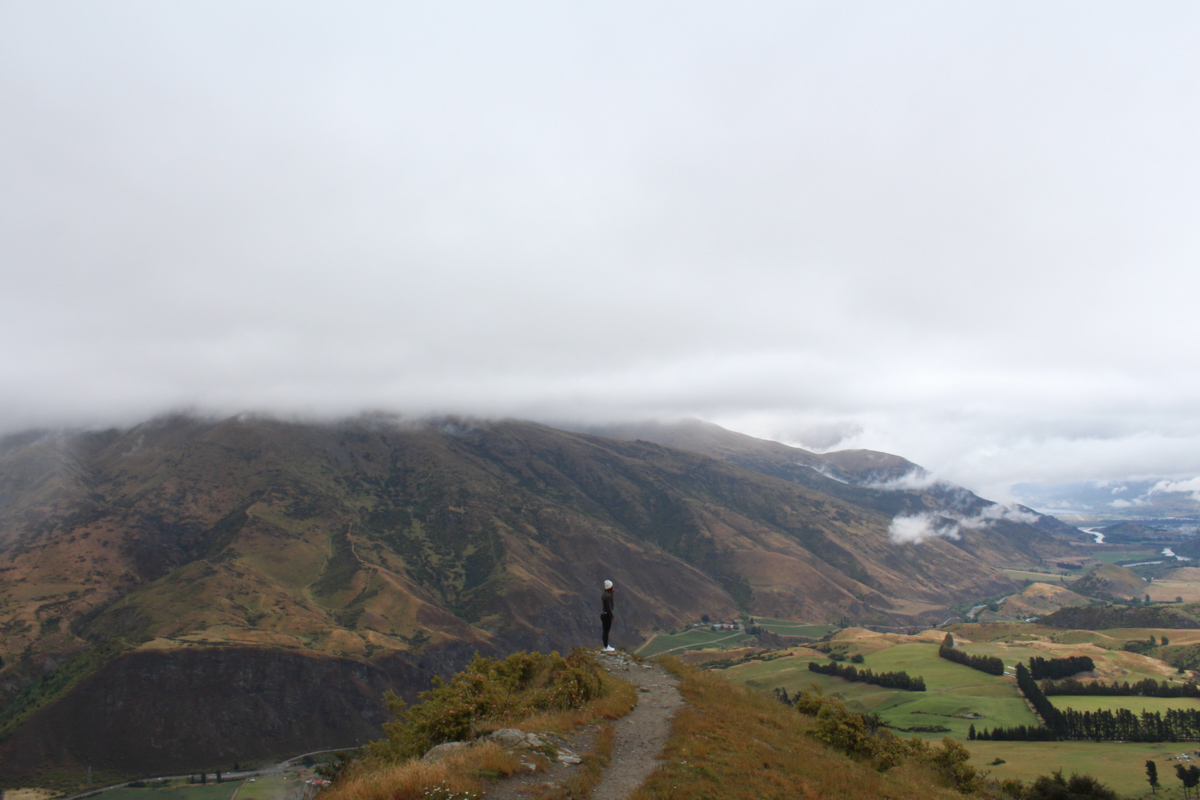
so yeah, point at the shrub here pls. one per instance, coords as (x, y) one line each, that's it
(487, 691)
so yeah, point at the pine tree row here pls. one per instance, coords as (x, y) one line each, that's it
(888, 680)
(989, 664)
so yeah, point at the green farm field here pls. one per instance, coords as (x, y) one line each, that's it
(263, 787)
(1115, 556)
(1135, 704)
(1167, 591)
(212, 791)
(696, 638)
(1042, 577)
(952, 691)
(1121, 765)
(784, 627)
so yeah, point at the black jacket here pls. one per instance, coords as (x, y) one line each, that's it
(606, 602)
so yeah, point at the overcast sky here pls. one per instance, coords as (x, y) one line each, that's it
(966, 233)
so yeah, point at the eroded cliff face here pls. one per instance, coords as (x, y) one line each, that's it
(186, 709)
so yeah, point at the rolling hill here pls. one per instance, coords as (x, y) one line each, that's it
(248, 553)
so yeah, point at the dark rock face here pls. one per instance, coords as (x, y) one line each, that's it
(208, 707)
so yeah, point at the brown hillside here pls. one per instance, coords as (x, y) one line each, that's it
(405, 548)
(1110, 580)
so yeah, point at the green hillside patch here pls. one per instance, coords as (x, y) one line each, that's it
(1134, 704)
(955, 698)
(732, 744)
(209, 791)
(53, 685)
(695, 638)
(262, 787)
(340, 569)
(1121, 556)
(788, 628)
(1041, 577)
(1121, 765)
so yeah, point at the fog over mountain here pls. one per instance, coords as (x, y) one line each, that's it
(960, 233)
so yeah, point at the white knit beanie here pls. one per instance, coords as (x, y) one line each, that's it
(608, 584)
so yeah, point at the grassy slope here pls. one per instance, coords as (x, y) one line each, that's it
(692, 639)
(952, 690)
(1119, 764)
(736, 744)
(1135, 704)
(785, 627)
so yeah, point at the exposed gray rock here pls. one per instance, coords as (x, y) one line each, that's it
(438, 752)
(508, 737)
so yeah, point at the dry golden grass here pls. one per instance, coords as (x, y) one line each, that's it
(26, 794)
(588, 774)
(619, 701)
(463, 774)
(731, 743)
(466, 773)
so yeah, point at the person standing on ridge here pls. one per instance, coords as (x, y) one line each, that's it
(606, 613)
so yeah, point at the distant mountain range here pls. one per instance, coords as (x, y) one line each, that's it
(189, 593)
(1135, 499)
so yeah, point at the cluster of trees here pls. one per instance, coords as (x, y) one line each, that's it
(1189, 776)
(203, 779)
(1118, 724)
(1052, 668)
(1055, 724)
(888, 680)
(1017, 733)
(1147, 687)
(989, 664)
(1145, 646)
(1125, 725)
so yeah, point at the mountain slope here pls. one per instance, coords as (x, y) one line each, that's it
(404, 548)
(879, 481)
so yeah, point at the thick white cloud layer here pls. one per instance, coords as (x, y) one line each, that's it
(920, 527)
(964, 233)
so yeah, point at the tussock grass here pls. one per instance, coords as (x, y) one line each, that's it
(731, 743)
(462, 774)
(483, 699)
(619, 700)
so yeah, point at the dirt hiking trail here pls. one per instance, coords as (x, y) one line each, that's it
(640, 736)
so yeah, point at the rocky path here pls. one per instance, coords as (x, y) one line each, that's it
(642, 733)
(640, 737)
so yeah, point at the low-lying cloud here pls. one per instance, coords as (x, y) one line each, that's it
(757, 216)
(1189, 487)
(926, 525)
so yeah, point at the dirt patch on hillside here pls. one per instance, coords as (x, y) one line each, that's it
(26, 794)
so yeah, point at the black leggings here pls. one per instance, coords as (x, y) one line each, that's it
(606, 621)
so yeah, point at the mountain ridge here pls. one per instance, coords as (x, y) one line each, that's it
(405, 547)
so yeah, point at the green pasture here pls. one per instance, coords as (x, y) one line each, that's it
(1083, 637)
(211, 791)
(697, 637)
(1121, 765)
(1085, 702)
(264, 787)
(272, 787)
(1042, 577)
(1176, 635)
(955, 698)
(785, 627)
(1122, 556)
